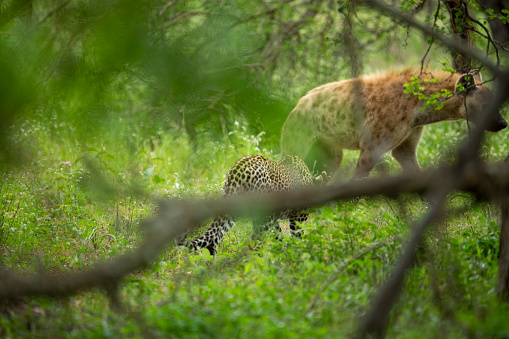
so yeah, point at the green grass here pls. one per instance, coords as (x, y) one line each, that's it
(57, 213)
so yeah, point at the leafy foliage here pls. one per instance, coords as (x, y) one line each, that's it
(48, 218)
(107, 105)
(435, 100)
(503, 16)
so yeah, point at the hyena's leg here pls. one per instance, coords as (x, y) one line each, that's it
(367, 160)
(405, 153)
(322, 158)
(213, 235)
(297, 216)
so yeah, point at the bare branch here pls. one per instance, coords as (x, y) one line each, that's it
(437, 12)
(347, 263)
(275, 45)
(470, 149)
(503, 267)
(451, 43)
(13, 285)
(168, 5)
(177, 216)
(461, 29)
(179, 17)
(58, 8)
(376, 320)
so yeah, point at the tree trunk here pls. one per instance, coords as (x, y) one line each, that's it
(460, 17)
(499, 30)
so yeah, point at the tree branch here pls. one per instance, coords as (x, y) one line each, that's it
(376, 319)
(177, 216)
(451, 43)
(347, 263)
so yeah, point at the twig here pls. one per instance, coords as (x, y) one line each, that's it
(376, 319)
(347, 263)
(54, 11)
(179, 17)
(178, 216)
(273, 48)
(469, 151)
(453, 44)
(432, 38)
(168, 5)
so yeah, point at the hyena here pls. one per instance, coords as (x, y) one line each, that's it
(374, 115)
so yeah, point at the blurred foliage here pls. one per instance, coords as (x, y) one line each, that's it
(108, 69)
(180, 66)
(114, 68)
(119, 98)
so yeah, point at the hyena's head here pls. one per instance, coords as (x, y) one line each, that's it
(478, 98)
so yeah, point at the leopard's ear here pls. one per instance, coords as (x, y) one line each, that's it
(465, 83)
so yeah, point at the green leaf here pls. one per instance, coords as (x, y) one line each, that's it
(248, 267)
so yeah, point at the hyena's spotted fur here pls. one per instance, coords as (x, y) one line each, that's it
(373, 114)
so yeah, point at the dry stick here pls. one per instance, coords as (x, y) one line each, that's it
(468, 169)
(490, 39)
(376, 319)
(453, 44)
(359, 255)
(177, 216)
(437, 12)
(503, 259)
(469, 151)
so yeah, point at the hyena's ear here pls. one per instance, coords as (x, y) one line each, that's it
(465, 82)
(477, 75)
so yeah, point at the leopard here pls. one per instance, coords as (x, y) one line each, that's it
(255, 174)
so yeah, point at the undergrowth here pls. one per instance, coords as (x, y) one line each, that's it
(66, 210)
